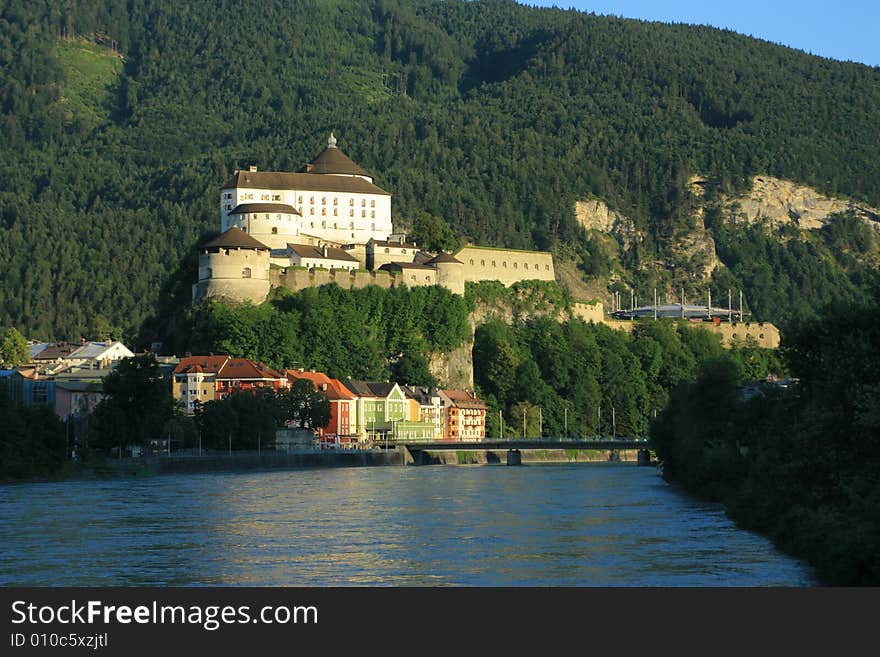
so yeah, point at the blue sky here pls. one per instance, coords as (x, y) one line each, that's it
(848, 30)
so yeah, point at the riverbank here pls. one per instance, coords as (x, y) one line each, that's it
(268, 461)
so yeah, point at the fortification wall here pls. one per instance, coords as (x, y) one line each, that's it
(296, 278)
(589, 312)
(763, 333)
(506, 265)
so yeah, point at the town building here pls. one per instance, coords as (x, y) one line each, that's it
(464, 416)
(200, 379)
(340, 431)
(425, 406)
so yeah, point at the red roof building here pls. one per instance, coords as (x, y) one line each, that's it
(207, 378)
(340, 431)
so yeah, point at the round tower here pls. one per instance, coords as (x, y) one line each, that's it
(233, 266)
(273, 224)
(450, 272)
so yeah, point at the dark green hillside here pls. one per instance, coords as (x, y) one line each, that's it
(492, 115)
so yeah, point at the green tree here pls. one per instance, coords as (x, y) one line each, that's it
(13, 349)
(432, 233)
(137, 406)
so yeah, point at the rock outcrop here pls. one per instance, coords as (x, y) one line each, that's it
(779, 202)
(593, 214)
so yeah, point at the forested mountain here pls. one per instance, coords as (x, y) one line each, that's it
(121, 119)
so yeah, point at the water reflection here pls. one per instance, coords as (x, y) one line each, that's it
(554, 525)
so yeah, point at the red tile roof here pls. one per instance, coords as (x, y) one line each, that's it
(334, 388)
(209, 364)
(464, 399)
(244, 368)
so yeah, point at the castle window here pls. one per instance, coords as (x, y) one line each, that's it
(363, 213)
(472, 261)
(547, 267)
(335, 212)
(264, 197)
(351, 201)
(324, 211)
(363, 202)
(387, 250)
(413, 277)
(311, 210)
(372, 204)
(372, 226)
(334, 226)
(351, 226)
(313, 224)
(274, 230)
(761, 336)
(403, 250)
(323, 200)
(267, 216)
(335, 201)
(482, 263)
(525, 265)
(372, 214)
(504, 264)
(428, 278)
(351, 213)
(278, 217)
(300, 198)
(246, 272)
(276, 197)
(323, 224)
(514, 265)
(493, 263)
(312, 200)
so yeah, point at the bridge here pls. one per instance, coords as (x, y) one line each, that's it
(416, 449)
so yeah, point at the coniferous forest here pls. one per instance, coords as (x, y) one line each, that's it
(120, 120)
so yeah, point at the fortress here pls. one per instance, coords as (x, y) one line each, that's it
(329, 222)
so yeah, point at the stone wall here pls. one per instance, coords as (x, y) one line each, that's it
(763, 333)
(294, 278)
(508, 266)
(589, 312)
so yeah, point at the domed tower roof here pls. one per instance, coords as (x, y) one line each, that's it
(334, 161)
(235, 238)
(443, 257)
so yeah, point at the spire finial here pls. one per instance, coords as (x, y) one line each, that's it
(331, 143)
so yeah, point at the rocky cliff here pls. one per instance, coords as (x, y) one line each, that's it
(778, 202)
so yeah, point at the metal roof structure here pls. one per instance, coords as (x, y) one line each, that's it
(680, 311)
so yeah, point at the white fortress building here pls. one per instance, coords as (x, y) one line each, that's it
(326, 223)
(331, 199)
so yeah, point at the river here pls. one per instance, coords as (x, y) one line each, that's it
(598, 524)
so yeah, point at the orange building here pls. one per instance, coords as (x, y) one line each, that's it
(464, 417)
(340, 431)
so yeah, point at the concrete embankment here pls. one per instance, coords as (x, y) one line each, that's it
(265, 461)
(490, 457)
(241, 462)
